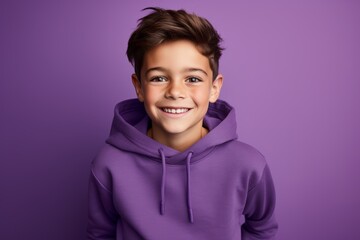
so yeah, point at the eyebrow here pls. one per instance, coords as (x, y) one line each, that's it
(161, 69)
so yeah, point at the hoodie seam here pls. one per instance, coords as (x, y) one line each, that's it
(99, 182)
(154, 159)
(204, 157)
(134, 142)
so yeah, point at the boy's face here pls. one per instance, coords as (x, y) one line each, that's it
(176, 88)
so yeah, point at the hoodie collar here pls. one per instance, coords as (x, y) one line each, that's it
(130, 124)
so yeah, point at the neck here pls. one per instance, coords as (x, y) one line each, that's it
(180, 141)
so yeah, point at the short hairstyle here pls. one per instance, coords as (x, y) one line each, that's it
(163, 25)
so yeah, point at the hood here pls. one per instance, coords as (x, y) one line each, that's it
(130, 125)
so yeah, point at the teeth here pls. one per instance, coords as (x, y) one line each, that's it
(175, 111)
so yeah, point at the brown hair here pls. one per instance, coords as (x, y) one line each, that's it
(163, 25)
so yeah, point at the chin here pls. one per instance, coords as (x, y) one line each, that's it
(174, 130)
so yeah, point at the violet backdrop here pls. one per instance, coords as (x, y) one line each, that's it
(291, 68)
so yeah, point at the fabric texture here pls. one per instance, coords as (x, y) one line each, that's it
(219, 188)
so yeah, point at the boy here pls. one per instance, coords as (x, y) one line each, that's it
(172, 168)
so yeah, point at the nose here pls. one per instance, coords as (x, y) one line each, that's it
(175, 90)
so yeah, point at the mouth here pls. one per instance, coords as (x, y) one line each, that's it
(175, 110)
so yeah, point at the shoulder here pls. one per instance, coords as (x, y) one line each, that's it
(104, 162)
(245, 153)
(106, 157)
(246, 159)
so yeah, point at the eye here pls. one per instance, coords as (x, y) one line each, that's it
(158, 79)
(193, 80)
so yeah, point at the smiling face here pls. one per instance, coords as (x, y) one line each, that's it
(176, 87)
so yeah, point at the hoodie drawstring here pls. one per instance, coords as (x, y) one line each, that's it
(163, 183)
(163, 179)
(191, 216)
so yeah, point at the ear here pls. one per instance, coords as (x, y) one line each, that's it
(138, 88)
(216, 88)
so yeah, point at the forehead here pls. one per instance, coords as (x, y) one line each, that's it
(176, 55)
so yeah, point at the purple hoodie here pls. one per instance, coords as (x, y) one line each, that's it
(141, 189)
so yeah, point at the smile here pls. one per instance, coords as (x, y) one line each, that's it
(175, 110)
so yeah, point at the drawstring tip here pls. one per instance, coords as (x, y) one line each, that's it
(191, 216)
(162, 208)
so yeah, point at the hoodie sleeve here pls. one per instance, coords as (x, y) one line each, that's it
(102, 216)
(259, 216)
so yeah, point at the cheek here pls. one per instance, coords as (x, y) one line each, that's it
(151, 97)
(201, 95)
(150, 93)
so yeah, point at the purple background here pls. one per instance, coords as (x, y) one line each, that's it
(292, 70)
